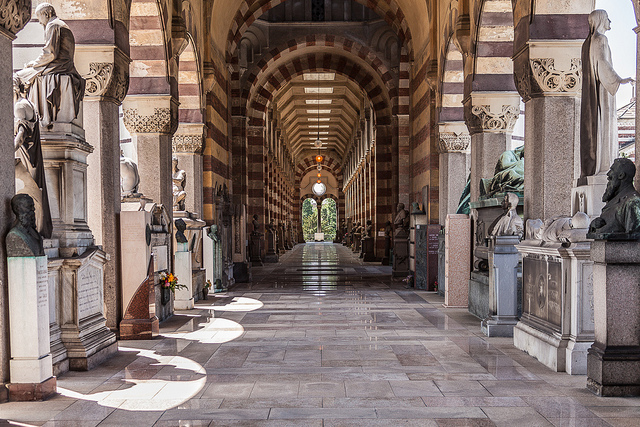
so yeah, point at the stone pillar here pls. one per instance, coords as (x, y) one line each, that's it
(107, 75)
(10, 24)
(151, 120)
(184, 296)
(548, 75)
(613, 362)
(636, 7)
(503, 287)
(455, 159)
(490, 118)
(187, 145)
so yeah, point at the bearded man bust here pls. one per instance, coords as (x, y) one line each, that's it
(621, 213)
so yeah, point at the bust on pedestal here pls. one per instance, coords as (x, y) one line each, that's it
(184, 299)
(256, 243)
(272, 255)
(31, 368)
(401, 242)
(368, 246)
(613, 361)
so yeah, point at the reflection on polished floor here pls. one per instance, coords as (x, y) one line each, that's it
(323, 339)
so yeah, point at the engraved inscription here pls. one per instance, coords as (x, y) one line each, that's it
(42, 277)
(89, 291)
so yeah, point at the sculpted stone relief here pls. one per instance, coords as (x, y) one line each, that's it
(187, 143)
(551, 80)
(503, 121)
(159, 121)
(453, 142)
(14, 14)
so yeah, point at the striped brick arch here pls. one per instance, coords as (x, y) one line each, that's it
(265, 87)
(250, 10)
(309, 163)
(452, 88)
(493, 67)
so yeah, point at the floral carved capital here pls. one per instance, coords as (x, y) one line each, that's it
(551, 80)
(451, 142)
(107, 80)
(503, 121)
(191, 144)
(158, 122)
(14, 15)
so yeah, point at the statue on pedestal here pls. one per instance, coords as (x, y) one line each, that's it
(179, 178)
(30, 177)
(621, 213)
(600, 82)
(256, 226)
(401, 221)
(23, 240)
(129, 177)
(508, 174)
(508, 223)
(54, 85)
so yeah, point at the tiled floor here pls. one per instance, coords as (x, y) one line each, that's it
(321, 339)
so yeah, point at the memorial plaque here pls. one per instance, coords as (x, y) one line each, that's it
(542, 289)
(160, 258)
(421, 268)
(42, 280)
(90, 290)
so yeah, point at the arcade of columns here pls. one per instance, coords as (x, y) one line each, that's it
(439, 90)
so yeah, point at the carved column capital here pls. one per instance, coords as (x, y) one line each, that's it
(187, 144)
(485, 119)
(150, 114)
(452, 142)
(108, 77)
(549, 68)
(14, 15)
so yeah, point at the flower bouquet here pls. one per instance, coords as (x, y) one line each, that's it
(169, 281)
(205, 289)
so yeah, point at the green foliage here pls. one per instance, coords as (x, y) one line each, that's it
(329, 219)
(309, 219)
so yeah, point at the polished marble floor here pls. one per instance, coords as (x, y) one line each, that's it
(322, 339)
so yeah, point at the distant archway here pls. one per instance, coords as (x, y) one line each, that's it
(329, 218)
(309, 219)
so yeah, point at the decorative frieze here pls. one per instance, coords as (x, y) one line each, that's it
(14, 15)
(451, 142)
(158, 122)
(551, 80)
(191, 144)
(504, 121)
(98, 78)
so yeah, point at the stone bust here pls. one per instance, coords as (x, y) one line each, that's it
(369, 229)
(181, 226)
(621, 213)
(508, 223)
(256, 226)
(179, 178)
(401, 221)
(23, 240)
(129, 177)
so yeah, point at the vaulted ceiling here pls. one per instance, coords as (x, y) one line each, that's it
(318, 105)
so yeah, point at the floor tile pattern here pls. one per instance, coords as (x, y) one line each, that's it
(322, 339)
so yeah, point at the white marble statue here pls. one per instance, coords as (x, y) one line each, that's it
(509, 222)
(179, 178)
(561, 228)
(598, 127)
(30, 177)
(54, 85)
(129, 177)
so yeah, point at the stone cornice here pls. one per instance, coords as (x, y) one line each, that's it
(14, 15)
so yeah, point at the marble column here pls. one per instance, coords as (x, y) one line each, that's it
(490, 118)
(151, 120)
(455, 159)
(106, 71)
(187, 145)
(548, 76)
(10, 24)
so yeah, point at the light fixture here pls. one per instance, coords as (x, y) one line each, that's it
(319, 174)
(319, 167)
(319, 158)
(319, 181)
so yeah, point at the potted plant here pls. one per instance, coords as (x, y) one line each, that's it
(205, 289)
(168, 283)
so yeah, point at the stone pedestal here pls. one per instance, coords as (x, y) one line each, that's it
(211, 258)
(357, 242)
(83, 330)
(31, 361)
(138, 292)
(65, 152)
(457, 260)
(401, 254)
(555, 325)
(255, 249)
(613, 363)
(586, 195)
(184, 296)
(441, 264)
(504, 261)
(271, 255)
(368, 249)
(387, 250)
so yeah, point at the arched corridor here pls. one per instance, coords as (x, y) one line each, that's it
(323, 339)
